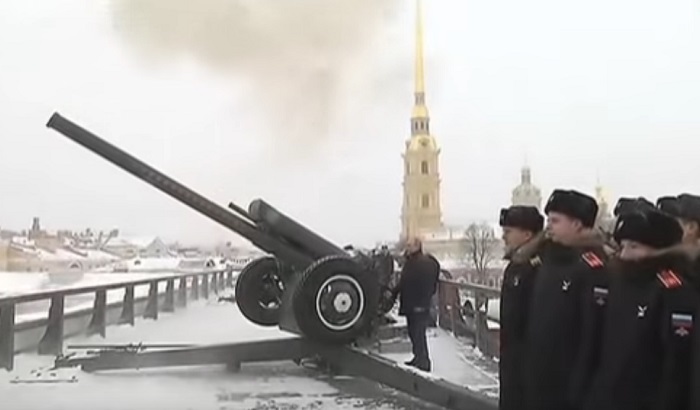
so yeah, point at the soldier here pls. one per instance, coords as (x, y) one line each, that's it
(646, 353)
(686, 208)
(624, 205)
(568, 298)
(522, 226)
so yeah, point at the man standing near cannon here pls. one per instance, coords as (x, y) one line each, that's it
(418, 283)
(567, 305)
(522, 227)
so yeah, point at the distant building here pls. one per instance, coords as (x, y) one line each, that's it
(4, 253)
(605, 218)
(526, 193)
(132, 247)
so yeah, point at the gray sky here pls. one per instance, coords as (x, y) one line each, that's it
(308, 108)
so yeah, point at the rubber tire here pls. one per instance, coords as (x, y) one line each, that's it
(304, 299)
(247, 303)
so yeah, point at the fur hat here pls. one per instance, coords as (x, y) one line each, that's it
(689, 206)
(524, 217)
(573, 204)
(669, 205)
(626, 205)
(649, 227)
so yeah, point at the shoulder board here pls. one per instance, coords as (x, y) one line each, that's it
(536, 261)
(592, 260)
(669, 279)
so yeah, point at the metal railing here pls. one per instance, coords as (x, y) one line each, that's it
(453, 316)
(51, 343)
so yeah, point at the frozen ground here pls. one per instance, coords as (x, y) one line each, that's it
(261, 387)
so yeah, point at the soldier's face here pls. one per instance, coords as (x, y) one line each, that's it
(634, 251)
(561, 228)
(691, 231)
(515, 237)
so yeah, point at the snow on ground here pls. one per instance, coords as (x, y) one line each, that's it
(18, 283)
(454, 361)
(260, 387)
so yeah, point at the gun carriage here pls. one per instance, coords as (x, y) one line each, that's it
(329, 296)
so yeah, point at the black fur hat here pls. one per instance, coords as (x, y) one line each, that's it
(649, 227)
(524, 217)
(626, 205)
(574, 204)
(669, 205)
(689, 207)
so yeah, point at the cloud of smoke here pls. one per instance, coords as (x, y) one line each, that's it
(294, 54)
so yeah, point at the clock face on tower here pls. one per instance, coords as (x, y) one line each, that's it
(424, 142)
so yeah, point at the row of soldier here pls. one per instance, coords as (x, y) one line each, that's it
(594, 320)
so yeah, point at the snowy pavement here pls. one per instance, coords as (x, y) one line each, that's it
(265, 386)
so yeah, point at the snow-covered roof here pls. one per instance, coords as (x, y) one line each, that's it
(136, 241)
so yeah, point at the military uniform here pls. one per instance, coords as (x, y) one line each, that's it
(516, 290)
(646, 360)
(568, 301)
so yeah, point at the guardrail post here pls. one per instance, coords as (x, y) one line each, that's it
(213, 283)
(169, 302)
(195, 287)
(98, 323)
(151, 311)
(7, 336)
(128, 306)
(229, 278)
(182, 292)
(205, 286)
(52, 341)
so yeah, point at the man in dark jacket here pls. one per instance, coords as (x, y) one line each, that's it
(567, 304)
(418, 283)
(646, 356)
(521, 226)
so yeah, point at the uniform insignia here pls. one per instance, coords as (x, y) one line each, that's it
(682, 323)
(565, 285)
(516, 281)
(641, 311)
(600, 295)
(669, 279)
(536, 261)
(592, 260)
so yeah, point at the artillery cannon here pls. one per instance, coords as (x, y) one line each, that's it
(308, 285)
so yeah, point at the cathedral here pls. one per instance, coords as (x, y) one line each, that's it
(421, 212)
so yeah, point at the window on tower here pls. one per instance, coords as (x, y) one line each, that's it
(424, 167)
(425, 201)
(408, 168)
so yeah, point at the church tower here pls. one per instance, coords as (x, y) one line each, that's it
(526, 194)
(421, 211)
(604, 217)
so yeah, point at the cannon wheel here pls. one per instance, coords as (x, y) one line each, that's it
(259, 291)
(336, 300)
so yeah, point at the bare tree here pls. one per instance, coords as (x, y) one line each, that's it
(481, 247)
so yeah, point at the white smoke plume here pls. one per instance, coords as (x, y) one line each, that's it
(294, 54)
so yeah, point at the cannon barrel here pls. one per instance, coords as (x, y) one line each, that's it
(293, 232)
(178, 191)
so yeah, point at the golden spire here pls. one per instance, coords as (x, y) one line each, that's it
(420, 73)
(420, 121)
